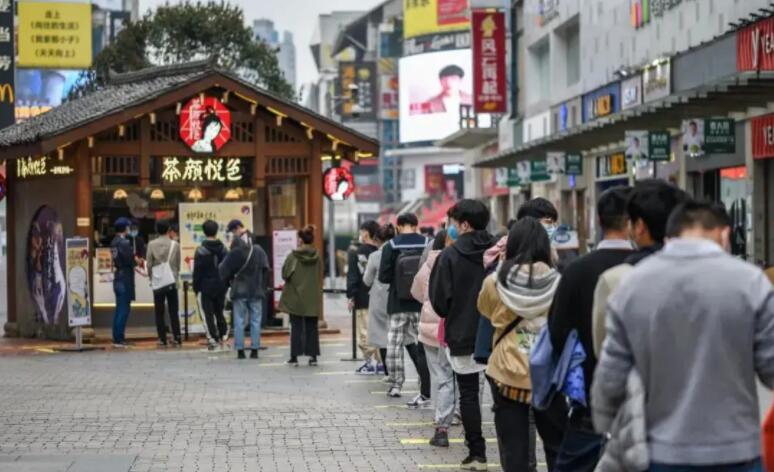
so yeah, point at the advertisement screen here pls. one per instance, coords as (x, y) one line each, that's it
(39, 90)
(433, 86)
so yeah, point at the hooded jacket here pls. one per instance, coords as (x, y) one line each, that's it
(521, 298)
(357, 259)
(206, 276)
(455, 283)
(247, 277)
(390, 253)
(428, 319)
(301, 273)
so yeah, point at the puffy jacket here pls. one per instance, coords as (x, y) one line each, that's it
(301, 273)
(247, 278)
(429, 319)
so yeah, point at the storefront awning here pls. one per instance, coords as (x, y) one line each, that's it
(468, 138)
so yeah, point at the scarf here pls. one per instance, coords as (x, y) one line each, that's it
(529, 300)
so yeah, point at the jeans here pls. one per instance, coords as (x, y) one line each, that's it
(444, 390)
(253, 309)
(752, 466)
(470, 409)
(167, 298)
(581, 446)
(512, 423)
(123, 304)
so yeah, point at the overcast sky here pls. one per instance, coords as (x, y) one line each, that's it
(297, 16)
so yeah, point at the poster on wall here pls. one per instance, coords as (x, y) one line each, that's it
(693, 137)
(193, 215)
(77, 270)
(636, 145)
(489, 72)
(555, 163)
(282, 244)
(45, 265)
(433, 86)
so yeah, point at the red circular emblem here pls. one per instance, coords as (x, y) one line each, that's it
(338, 183)
(205, 124)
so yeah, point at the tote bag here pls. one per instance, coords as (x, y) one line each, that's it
(162, 273)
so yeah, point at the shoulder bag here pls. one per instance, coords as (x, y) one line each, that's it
(163, 276)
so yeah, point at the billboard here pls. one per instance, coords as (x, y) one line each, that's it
(40, 90)
(489, 72)
(433, 86)
(388, 89)
(637, 144)
(55, 35)
(421, 17)
(363, 76)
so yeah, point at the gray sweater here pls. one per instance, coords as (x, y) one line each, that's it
(698, 325)
(158, 252)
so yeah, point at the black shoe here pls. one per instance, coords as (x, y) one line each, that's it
(176, 343)
(473, 463)
(293, 362)
(313, 362)
(241, 354)
(162, 344)
(440, 438)
(254, 354)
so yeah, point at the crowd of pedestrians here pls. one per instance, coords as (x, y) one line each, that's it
(642, 355)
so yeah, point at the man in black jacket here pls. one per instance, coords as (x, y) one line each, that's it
(403, 252)
(208, 286)
(455, 283)
(357, 293)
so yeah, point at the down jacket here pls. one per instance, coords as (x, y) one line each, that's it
(429, 319)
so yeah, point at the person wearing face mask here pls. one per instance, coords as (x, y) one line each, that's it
(357, 294)
(697, 325)
(138, 243)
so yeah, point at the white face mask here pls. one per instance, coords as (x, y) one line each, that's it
(550, 229)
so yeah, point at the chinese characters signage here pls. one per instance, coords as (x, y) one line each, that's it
(358, 103)
(763, 137)
(489, 62)
(573, 164)
(755, 46)
(422, 17)
(659, 145)
(27, 167)
(338, 183)
(213, 169)
(6, 64)
(719, 135)
(205, 124)
(55, 35)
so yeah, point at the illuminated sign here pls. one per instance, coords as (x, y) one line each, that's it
(338, 183)
(602, 102)
(213, 169)
(205, 124)
(27, 167)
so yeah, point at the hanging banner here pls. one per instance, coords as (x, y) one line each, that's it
(282, 244)
(573, 163)
(205, 124)
(489, 72)
(539, 171)
(555, 163)
(636, 145)
(660, 145)
(763, 136)
(7, 69)
(719, 135)
(55, 35)
(77, 272)
(513, 177)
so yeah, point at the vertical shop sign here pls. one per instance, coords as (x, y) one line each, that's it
(358, 103)
(660, 147)
(77, 270)
(755, 46)
(539, 171)
(489, 61)
(282, 244)
(763, 137)
(573, 163)
(513, 177)
(719, 135)
(7, 69)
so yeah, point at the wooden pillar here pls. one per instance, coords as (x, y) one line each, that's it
(11, 329)
(83, 194)
(315, 205)
(259, 165)
(145, 147)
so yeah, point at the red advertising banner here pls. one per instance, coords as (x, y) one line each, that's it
(489, 89)
(763, 137)
(755, 46)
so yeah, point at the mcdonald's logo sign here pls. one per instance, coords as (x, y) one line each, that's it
(6, 93)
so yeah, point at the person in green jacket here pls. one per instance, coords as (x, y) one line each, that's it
(301, 298)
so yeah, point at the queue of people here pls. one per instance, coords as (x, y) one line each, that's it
(641, 355)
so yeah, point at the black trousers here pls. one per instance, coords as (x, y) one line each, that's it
(416, 352)
(512, 423)
(166, 298)
(581, 446)
(212, 306)
(383, 353)
(470, 409)
(304, 336)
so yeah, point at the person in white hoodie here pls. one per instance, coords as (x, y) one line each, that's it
(516, 298)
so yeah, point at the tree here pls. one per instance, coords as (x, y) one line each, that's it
(186, 32)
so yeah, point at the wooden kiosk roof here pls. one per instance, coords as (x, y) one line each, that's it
(130, 95)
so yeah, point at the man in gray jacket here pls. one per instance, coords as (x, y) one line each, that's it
(698, 325)
(161, 250)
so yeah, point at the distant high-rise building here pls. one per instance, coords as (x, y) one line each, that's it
(263, 30)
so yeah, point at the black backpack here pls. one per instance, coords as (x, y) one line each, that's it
(406, 268)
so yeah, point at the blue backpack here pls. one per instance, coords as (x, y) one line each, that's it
(547, 372)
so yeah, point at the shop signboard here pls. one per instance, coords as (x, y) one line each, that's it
(436, 42)
(755, 46)
(636, 145)
(388, 89)
(631, 92)
(573, 163)
(7, 69)
(660, 146)
(513, 177)
(489, 88)
(693, 137)
(423, 17)
(338, 183)
(656, 80)
(205, 124)
(763, 137)
(42, 166)
(555, 163)
(77, 272)
(363, 76)
(282, 244)
(612, 166)
(719, 135)
(55, 35)
(602, 102)
(539, 171)
(178, 170)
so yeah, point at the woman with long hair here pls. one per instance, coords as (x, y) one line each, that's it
(516, 298)
(378, 319)
(301, 298)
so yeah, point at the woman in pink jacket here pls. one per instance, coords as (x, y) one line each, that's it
(441, 374)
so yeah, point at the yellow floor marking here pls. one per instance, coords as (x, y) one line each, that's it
(300, 364)
(396, 405)
(384, 392)
(46, 350)
(424, 442)
(424, 423)
(451, 466)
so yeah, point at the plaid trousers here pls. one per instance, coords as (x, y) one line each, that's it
(402, 326)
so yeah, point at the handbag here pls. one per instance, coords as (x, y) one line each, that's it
(162, 275)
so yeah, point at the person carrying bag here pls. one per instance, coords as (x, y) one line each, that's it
(163, 269)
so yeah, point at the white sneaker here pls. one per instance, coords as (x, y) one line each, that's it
(393, 392)
(419, 402)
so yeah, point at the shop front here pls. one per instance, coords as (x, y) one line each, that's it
(184, 143)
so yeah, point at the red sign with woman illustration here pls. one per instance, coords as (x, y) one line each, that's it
(338, 183)
(205, 124)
